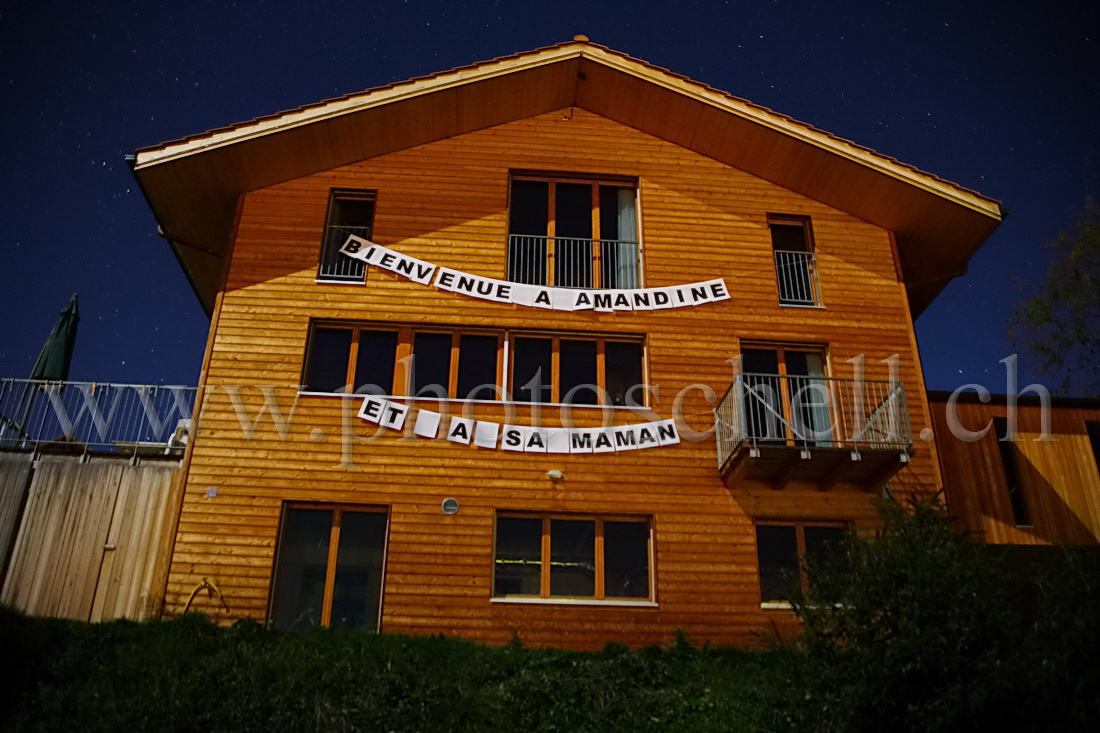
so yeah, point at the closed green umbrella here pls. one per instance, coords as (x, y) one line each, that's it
(57, 353)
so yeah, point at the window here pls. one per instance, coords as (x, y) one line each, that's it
(579, 371)
(349, 212)
(780, 548)
(795, 272)
(786, 395)
(328, 568)
(470, 365)
(573, 233)
(598, 558)
(1010, 464)
(1093, 429)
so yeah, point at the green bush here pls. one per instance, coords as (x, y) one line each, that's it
(919, 629)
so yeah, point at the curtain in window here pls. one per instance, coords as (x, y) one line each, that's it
(626, 255)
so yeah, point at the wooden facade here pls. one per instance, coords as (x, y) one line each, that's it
(1042, 488)
(267, 447)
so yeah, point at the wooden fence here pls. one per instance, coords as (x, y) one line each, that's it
(85, 536)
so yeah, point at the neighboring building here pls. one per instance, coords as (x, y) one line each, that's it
(573, 167)
(1041, 488)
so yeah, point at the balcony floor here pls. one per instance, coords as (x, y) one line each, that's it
(783, 466)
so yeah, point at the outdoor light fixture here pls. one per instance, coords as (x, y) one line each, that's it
(555, 475)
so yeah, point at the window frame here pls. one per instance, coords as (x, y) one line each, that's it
(338, 509)
(600, 598)
(811, 282)
(799, 526)
(330, 247)
(505, 362)
(552, 180)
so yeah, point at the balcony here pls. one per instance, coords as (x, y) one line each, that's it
(138, 420)
(796, 276)
(569, 262)
(812, 432)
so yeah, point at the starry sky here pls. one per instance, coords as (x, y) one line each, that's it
(1002, 98)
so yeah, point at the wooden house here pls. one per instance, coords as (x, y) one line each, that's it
(559, 345)
(1040, 487)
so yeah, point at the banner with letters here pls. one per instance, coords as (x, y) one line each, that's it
(521, 438)
(537, 296)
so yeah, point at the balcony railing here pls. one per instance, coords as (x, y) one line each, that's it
(797, 416)
(569, 262)
(79, 416)
(334, 264)
(796, 274)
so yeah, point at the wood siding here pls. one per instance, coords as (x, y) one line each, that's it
(446, 202)
(88, 538)
(1058, 477)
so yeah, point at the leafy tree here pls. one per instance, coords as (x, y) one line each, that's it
(1059, 325)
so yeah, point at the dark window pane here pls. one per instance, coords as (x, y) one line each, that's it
(626, 559)
(532, 371)
(353, 212)
(329, 350)
(477, 366)
(377, 354)
(760, 361)
(777, 555)
(529, 207)
(577, 367)
(431, 364)
(789, 237)
(822, 543)
(1093, 429)
(303, 561)
(358, 583)
(517, 569)
(574, 210)
(1010, 464)
(572, 558)
(623, 367)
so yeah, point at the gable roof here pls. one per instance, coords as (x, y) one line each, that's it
(193, 184)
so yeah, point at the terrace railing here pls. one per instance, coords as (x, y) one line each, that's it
(569, 262)
(336, 265)
(808, 412)
(124, 418)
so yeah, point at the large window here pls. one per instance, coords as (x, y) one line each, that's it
(467, 365)
(597, 558)
(349, 212)
(795, 270)
(573, 233)
(786, 395)
(780, 548)
(328, 568)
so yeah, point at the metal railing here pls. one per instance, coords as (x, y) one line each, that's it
(572, 262)
(796, 274)
(78, 416)
(336, 265)
(809, 412)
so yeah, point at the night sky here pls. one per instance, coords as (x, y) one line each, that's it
(1002, 98)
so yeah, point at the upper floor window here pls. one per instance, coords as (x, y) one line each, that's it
(786, 395)
(795, 270)
(1010, 464)
(475, 365)
(573, 233)
(349, 212)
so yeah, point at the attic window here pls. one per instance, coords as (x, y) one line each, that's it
(349, 213)
(795, 269)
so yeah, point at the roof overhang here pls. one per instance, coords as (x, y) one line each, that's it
(193, 184)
